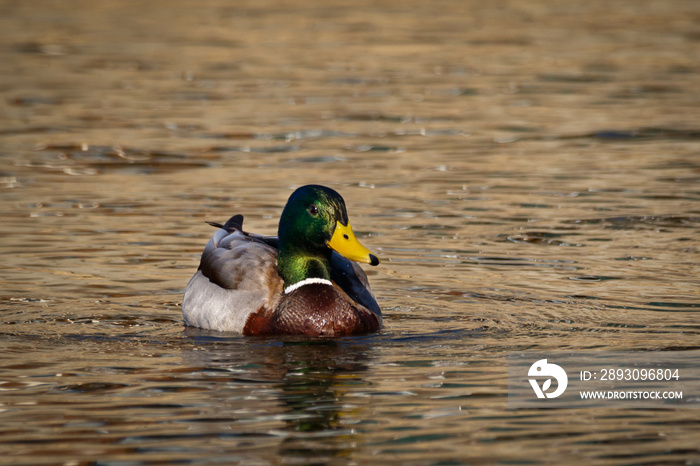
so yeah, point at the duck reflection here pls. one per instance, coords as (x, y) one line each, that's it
(295, 389)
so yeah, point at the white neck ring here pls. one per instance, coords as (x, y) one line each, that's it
(307, 281)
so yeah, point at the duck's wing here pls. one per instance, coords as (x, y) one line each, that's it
(350, 277)
(237, 276)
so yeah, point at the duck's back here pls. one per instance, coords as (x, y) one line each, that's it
(237, 276)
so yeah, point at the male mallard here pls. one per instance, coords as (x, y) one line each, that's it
(301, 282)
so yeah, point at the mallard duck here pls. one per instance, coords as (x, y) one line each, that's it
(304, 281)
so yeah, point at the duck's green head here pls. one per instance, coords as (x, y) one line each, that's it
(314, 222)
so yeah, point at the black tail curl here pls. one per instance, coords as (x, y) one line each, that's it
(235, 223)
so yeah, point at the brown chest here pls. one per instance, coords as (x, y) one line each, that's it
(313, 310)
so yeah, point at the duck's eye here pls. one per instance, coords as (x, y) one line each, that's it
(313, 210)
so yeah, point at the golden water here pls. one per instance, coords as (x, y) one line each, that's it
(529, 172)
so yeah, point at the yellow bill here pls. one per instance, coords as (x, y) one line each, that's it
(345, 243)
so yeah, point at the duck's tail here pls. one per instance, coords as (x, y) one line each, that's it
(235, 223)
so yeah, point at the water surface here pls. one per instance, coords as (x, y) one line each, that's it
(529, 172)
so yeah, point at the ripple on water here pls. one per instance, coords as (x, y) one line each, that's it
(90, 160)
(646, 221)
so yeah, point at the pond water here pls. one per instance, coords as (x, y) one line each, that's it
(529, 172)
